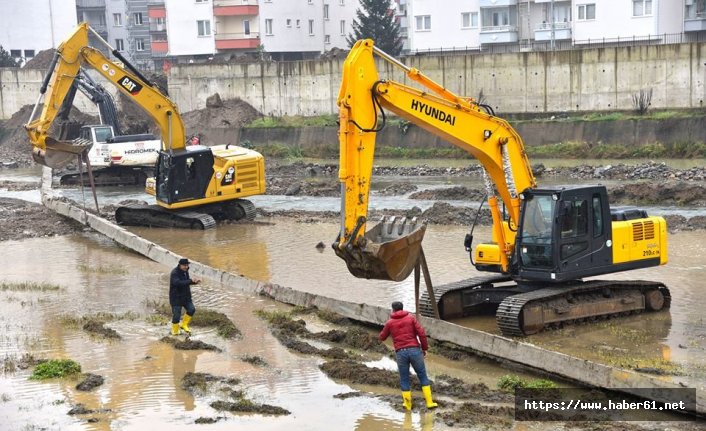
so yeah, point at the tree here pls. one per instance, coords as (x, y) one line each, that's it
(6, 59)
(375, 20)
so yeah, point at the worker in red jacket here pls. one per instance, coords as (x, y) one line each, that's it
(411, 346)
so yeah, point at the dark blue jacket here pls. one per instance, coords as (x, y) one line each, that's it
(179, 287)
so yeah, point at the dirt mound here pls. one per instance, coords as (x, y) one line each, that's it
(189, 344)
(452, 193)
(98, 328)
(22, 219)
(14, 143)
(42, 60)
(90, 382)
(672, 193)
(233, 113)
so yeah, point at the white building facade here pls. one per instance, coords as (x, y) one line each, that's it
(294, 29)
(30, 26)
(189, 27)
(529, 24)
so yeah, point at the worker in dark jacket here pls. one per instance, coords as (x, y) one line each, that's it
(410, 342)
(180, 296)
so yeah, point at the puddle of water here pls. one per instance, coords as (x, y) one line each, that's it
(284, 252)
(142, 386)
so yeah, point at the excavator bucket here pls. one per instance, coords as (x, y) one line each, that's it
(388, 251)
(58, 154)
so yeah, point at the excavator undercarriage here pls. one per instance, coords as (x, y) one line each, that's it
(205, 218)
(522, 310)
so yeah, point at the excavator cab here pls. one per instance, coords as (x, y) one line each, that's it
(388, 251)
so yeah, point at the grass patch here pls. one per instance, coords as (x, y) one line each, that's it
(55, 368)
(582, 150)
(294, 121)
(72, 321)
(100, 269)
(204, 317)
(511, 382)
(26, 286)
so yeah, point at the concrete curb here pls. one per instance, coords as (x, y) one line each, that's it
(500, 348)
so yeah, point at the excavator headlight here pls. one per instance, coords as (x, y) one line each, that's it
(555, 197)
(522, 196)
(486, 134)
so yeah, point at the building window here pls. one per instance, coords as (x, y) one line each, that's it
(311, 27)
(268, 27)
(289, 22)
(641, 7)
(587, 11)
(298, 24)
(15, 53)
(423, 22)
(201, 1)
(117, 20)
(342, 2)
(29, 53)
(311, 1)
(469, 20)
(326, 11)
(327, 38)
(246, 27)
(137, 18)
(101, 19)
(204, 27)
(119, 45)
(343, 27)
(139, 44)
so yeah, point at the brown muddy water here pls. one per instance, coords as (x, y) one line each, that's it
(142, 388)
(670, 343)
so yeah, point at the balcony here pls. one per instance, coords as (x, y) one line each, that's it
(237, 40)
(497, 3)
(695, 22)
(498, 34)
(235, 8)
(90, 4)
(562, 31)
(159, 47)
(156, 28)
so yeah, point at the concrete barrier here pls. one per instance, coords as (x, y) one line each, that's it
(497, 347)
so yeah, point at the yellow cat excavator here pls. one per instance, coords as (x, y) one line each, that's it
(544, 240)
(193, 185)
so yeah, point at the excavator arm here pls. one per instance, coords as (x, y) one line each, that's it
(71, 55)
(390, 250)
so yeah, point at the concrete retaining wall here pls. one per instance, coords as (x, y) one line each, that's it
(504, 349)
(601, 79)
(619, 132)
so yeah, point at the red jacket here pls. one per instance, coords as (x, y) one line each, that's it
(405, 330)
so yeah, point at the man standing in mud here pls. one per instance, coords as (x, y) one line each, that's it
(180, 296)
(410, 342)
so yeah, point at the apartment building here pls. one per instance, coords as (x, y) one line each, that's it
(31, 26)
(300, 29)
(532, 24)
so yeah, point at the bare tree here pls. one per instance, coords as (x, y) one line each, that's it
(641, 101)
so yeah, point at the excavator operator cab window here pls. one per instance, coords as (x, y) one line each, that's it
(536, 236)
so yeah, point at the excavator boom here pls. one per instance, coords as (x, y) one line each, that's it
(73, 53)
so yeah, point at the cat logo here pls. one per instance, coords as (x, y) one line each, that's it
(228, 177)
(131, 86)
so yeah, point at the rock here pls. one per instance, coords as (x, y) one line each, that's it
(292, 190)
(91, 381)
(214, 101)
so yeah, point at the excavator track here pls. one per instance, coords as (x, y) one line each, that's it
(156, 216)
(525, 310)
(530, 312)
(248, 208)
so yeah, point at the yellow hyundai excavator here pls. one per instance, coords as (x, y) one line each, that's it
(193, 185)
(544, 240)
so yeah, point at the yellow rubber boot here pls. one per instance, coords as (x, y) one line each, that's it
(407, 400)
(185, 324)
(175, 329)
(426, 390)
